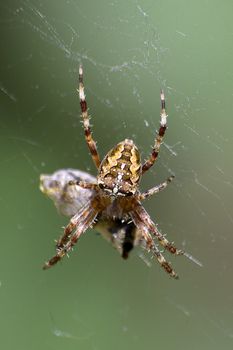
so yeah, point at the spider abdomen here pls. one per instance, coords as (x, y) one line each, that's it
(120, 170)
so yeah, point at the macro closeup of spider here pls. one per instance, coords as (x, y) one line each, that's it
(114, 196)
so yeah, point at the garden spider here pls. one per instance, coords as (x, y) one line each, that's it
(116, 195)
(123, 235)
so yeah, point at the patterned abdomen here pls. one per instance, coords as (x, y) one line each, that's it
(120, 170)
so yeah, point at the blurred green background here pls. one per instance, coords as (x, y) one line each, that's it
(129, 50)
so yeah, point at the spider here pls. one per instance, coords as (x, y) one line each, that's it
(123, 235)
(115, 192)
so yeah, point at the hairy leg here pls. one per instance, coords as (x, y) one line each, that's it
(159, 137)
(86, 121)
(155, 189)
(79, 223)
(139, 214)
(84, 184)
(150, 246)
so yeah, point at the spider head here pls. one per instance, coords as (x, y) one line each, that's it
(120, 170)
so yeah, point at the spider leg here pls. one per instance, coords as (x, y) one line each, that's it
(155, 189)
(84, 184)
(81, 215)
(79, 223)
(86, 122)
(159, 137)
(142, 218)
(150, 246)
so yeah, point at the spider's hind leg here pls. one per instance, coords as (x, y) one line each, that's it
(159, 136)
(86, 121)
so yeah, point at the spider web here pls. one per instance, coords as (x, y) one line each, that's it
(129, 50)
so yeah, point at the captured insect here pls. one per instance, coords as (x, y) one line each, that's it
(68, 199)
(113, 198)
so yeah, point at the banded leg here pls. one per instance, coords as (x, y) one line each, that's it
(64, 250)
(139, 215)
(80, 223)
(84, 184)
(81, 215)
(159, 137)
(86, 121)
(155, 189)
(150, 246)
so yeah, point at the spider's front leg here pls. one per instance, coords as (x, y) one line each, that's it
(159, 137)
(84, 184)
(77, 226)
(142, 220)
(86, 121)
(82, 215)
(150, 246)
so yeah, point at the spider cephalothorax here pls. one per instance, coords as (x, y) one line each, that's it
(120, 170)
(115, 197)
